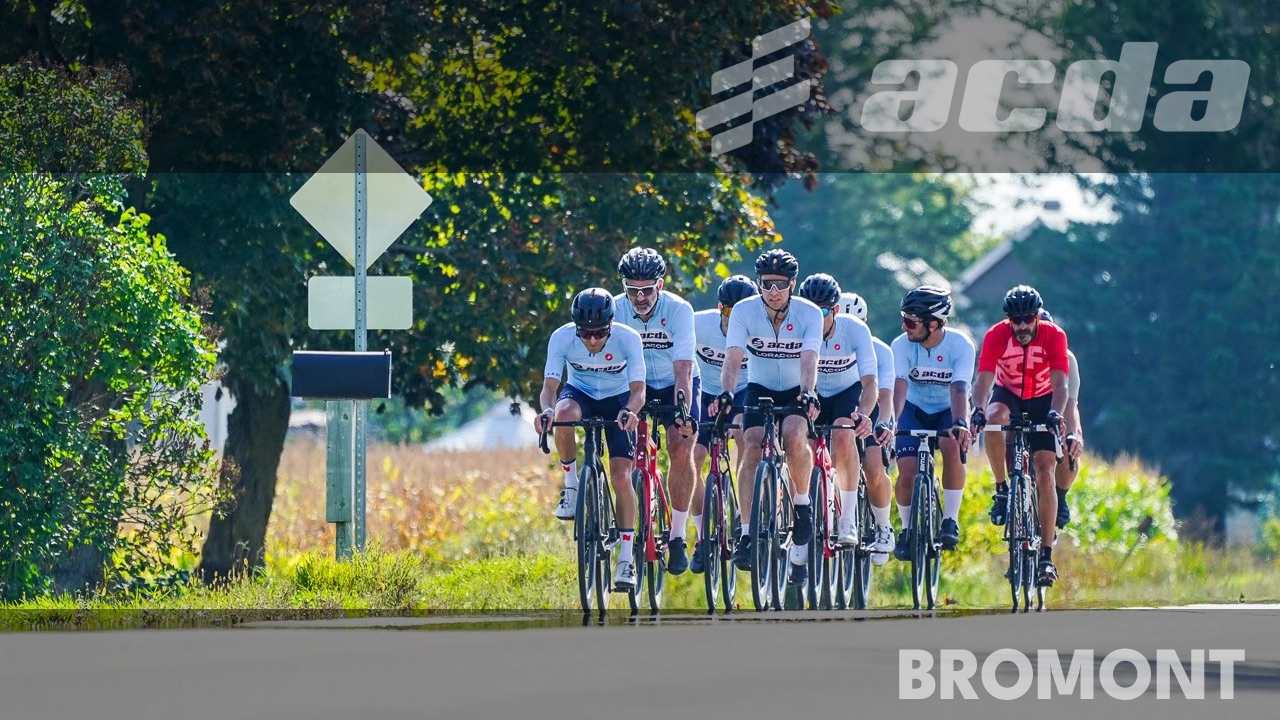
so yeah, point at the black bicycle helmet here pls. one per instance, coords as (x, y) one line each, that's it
(1022, 300)
(735, 289)
(642, 264)
(820, 289)
(777, 262)
(928, 301)
(592, 308)
(1045, 315)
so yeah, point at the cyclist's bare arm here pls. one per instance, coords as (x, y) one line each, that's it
(1060, 391)
(960, 410)
(870, 395)
(684, 380)
(732, 366)
(634, 403)
(982, 389)
(899, 396)
(547, 399)
(886, 404)
(1071, 424)
(808, 371)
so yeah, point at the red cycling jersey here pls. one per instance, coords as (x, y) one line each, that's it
(1024, 371)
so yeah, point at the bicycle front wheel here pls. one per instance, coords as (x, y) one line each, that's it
(710, 537)
(921, 538)
(861, 555)
(814, 587)
(763, 516)
(585, 531)
(660, 523)
(640, 539)
(606, 538)
(731, 517)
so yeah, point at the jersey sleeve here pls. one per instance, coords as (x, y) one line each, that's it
(737, 334)
(962, 367)
(1057, 350)
(993, 344)
(901, 368)
(884, 366)
(682, 333)
(1073, 377)
(634, 350)
(556, 354)
(812, 338)
(866, 350)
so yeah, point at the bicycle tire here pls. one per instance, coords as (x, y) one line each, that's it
(585, 534)
(919, 539)
(710, 536)
(656, 573)
(861, 565)
(606, 531)
(933, 559)
(639, 537)
(818, 502)
(781, 541)
(763, 515)
(732, 519)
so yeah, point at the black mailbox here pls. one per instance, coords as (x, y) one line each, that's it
(342, 375)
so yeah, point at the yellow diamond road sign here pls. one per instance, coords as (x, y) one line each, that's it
(327, 200)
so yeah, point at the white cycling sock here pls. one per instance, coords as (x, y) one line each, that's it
(951, 504)
(881, 514)
(697, 525)
(679, 519)
(570, 473)
(746, 529)
(904, 514)
(800, 499)
(628, 536)
(799, 554)
(849, 507)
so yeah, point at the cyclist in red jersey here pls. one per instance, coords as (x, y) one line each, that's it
(1026, 358)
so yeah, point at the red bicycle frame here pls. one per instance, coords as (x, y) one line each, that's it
(822, 461)
(646, 461)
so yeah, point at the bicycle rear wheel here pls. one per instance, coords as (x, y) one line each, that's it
(763, 516)
(660, 523)
(1013, 534)
(584, 531)
(813, 589)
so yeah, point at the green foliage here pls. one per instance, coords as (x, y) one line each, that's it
(103, 353)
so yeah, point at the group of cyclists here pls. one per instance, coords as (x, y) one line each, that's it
(805, 344)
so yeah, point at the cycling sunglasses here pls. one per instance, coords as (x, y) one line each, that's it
(641, 290)
(910, 323)
(594, 333)
(1022, 319)
(774, 285)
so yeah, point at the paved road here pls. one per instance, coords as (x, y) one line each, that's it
(786, 665)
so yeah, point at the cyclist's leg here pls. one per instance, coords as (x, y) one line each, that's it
(908, 464)
(701, 449)
(621, 445)
(998, 413)
(568, 409)
(878, 494)
(680, 478)
(1067, 472)
(953, 476)
(844, 456)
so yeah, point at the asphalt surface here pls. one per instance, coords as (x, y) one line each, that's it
(779, 665)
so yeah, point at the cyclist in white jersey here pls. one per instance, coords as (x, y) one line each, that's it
(783, 335)
(934, 368)
(846, 390)
(605, 378)
(710, 328)
(873, 461)
(1067, 473)
(665, 323)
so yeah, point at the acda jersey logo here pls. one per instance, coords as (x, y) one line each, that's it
(608, 369)
(656, 340)
(926, 376)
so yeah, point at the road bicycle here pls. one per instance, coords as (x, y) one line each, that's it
(721, 519)
(833, 568)
(771, 512)
(1022, 518)
(653, 521)
(595, 530)
(926, 521)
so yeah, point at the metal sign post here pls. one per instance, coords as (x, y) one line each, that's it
(386, 201)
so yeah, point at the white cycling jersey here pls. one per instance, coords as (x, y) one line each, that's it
(884, 364)
(929, 373)
(846, 356)
(605, 374)
(710, 347)
(775, 356)
(667, 335)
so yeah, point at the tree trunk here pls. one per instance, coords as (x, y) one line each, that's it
(255, 439)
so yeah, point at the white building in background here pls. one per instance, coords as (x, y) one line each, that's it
(497, 429)
(215, 410)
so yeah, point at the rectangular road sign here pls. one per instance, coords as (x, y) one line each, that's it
(331, 303)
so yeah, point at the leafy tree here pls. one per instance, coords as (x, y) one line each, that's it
(257, 90)
(103, 354)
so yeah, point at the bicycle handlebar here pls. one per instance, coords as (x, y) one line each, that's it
(1035, 428)
(583, 423)
(964, 456)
